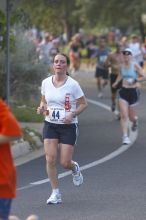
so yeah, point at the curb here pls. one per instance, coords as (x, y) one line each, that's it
(20, 149)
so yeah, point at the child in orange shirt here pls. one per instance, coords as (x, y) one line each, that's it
(9, 130)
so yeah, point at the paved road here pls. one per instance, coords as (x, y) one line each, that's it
(114, 176)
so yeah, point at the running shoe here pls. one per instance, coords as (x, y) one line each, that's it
(55, 198)
(104, 84)
(77, 175)
(134, 125)
(100, 95)
(113, 107)
(118, 117)
(126, 140)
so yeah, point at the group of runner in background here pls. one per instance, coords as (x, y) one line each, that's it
(106, 56)
(84, 46)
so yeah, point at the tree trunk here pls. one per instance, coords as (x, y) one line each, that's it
(142, 30)
(67, 29)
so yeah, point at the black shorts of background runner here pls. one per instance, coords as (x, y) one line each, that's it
(130, 95)
(65, 133)
(113, 78)
(100, 72)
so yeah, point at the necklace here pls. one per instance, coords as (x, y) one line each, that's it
(60, 82)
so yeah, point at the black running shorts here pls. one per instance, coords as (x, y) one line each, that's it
(103, 73)
(65, 133)
(130, 95)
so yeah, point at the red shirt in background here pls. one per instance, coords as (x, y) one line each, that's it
(8, 127)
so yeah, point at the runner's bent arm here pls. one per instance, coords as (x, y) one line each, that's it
(81, 105)
(141, 74)
(5, 139)
(108, 61)
(43, 105)
(118, 79)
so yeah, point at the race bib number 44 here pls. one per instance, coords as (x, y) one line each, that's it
(56, 114)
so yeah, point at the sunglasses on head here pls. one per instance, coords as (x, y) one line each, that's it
(127, 53)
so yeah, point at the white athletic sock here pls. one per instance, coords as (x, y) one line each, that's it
(74, 169)
(136, 118)
(55, 191)
(125, 135)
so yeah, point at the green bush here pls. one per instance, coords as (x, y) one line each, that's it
(26, 70)
(29, 138)
(27, 114)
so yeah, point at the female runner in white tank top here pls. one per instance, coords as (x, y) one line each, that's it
(130, 73)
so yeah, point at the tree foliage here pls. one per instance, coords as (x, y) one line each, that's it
(58, 16)
(25, 69)
(115, 13)
(53, 16)
(61, 16)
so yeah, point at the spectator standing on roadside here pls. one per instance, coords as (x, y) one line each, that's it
(45, 48)
(53, 51)
(137, 50)
(125, 42)
(9, 131)
(62, 101)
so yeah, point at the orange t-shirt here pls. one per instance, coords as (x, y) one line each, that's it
(9, 127)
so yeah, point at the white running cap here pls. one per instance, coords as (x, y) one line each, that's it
(128, 50)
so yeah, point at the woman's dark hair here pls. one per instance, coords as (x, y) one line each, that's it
(63, 54)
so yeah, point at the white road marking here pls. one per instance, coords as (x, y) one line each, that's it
(99, 104)
(120, 150)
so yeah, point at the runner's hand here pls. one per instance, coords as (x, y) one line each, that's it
(42, 110)
(68, 118)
